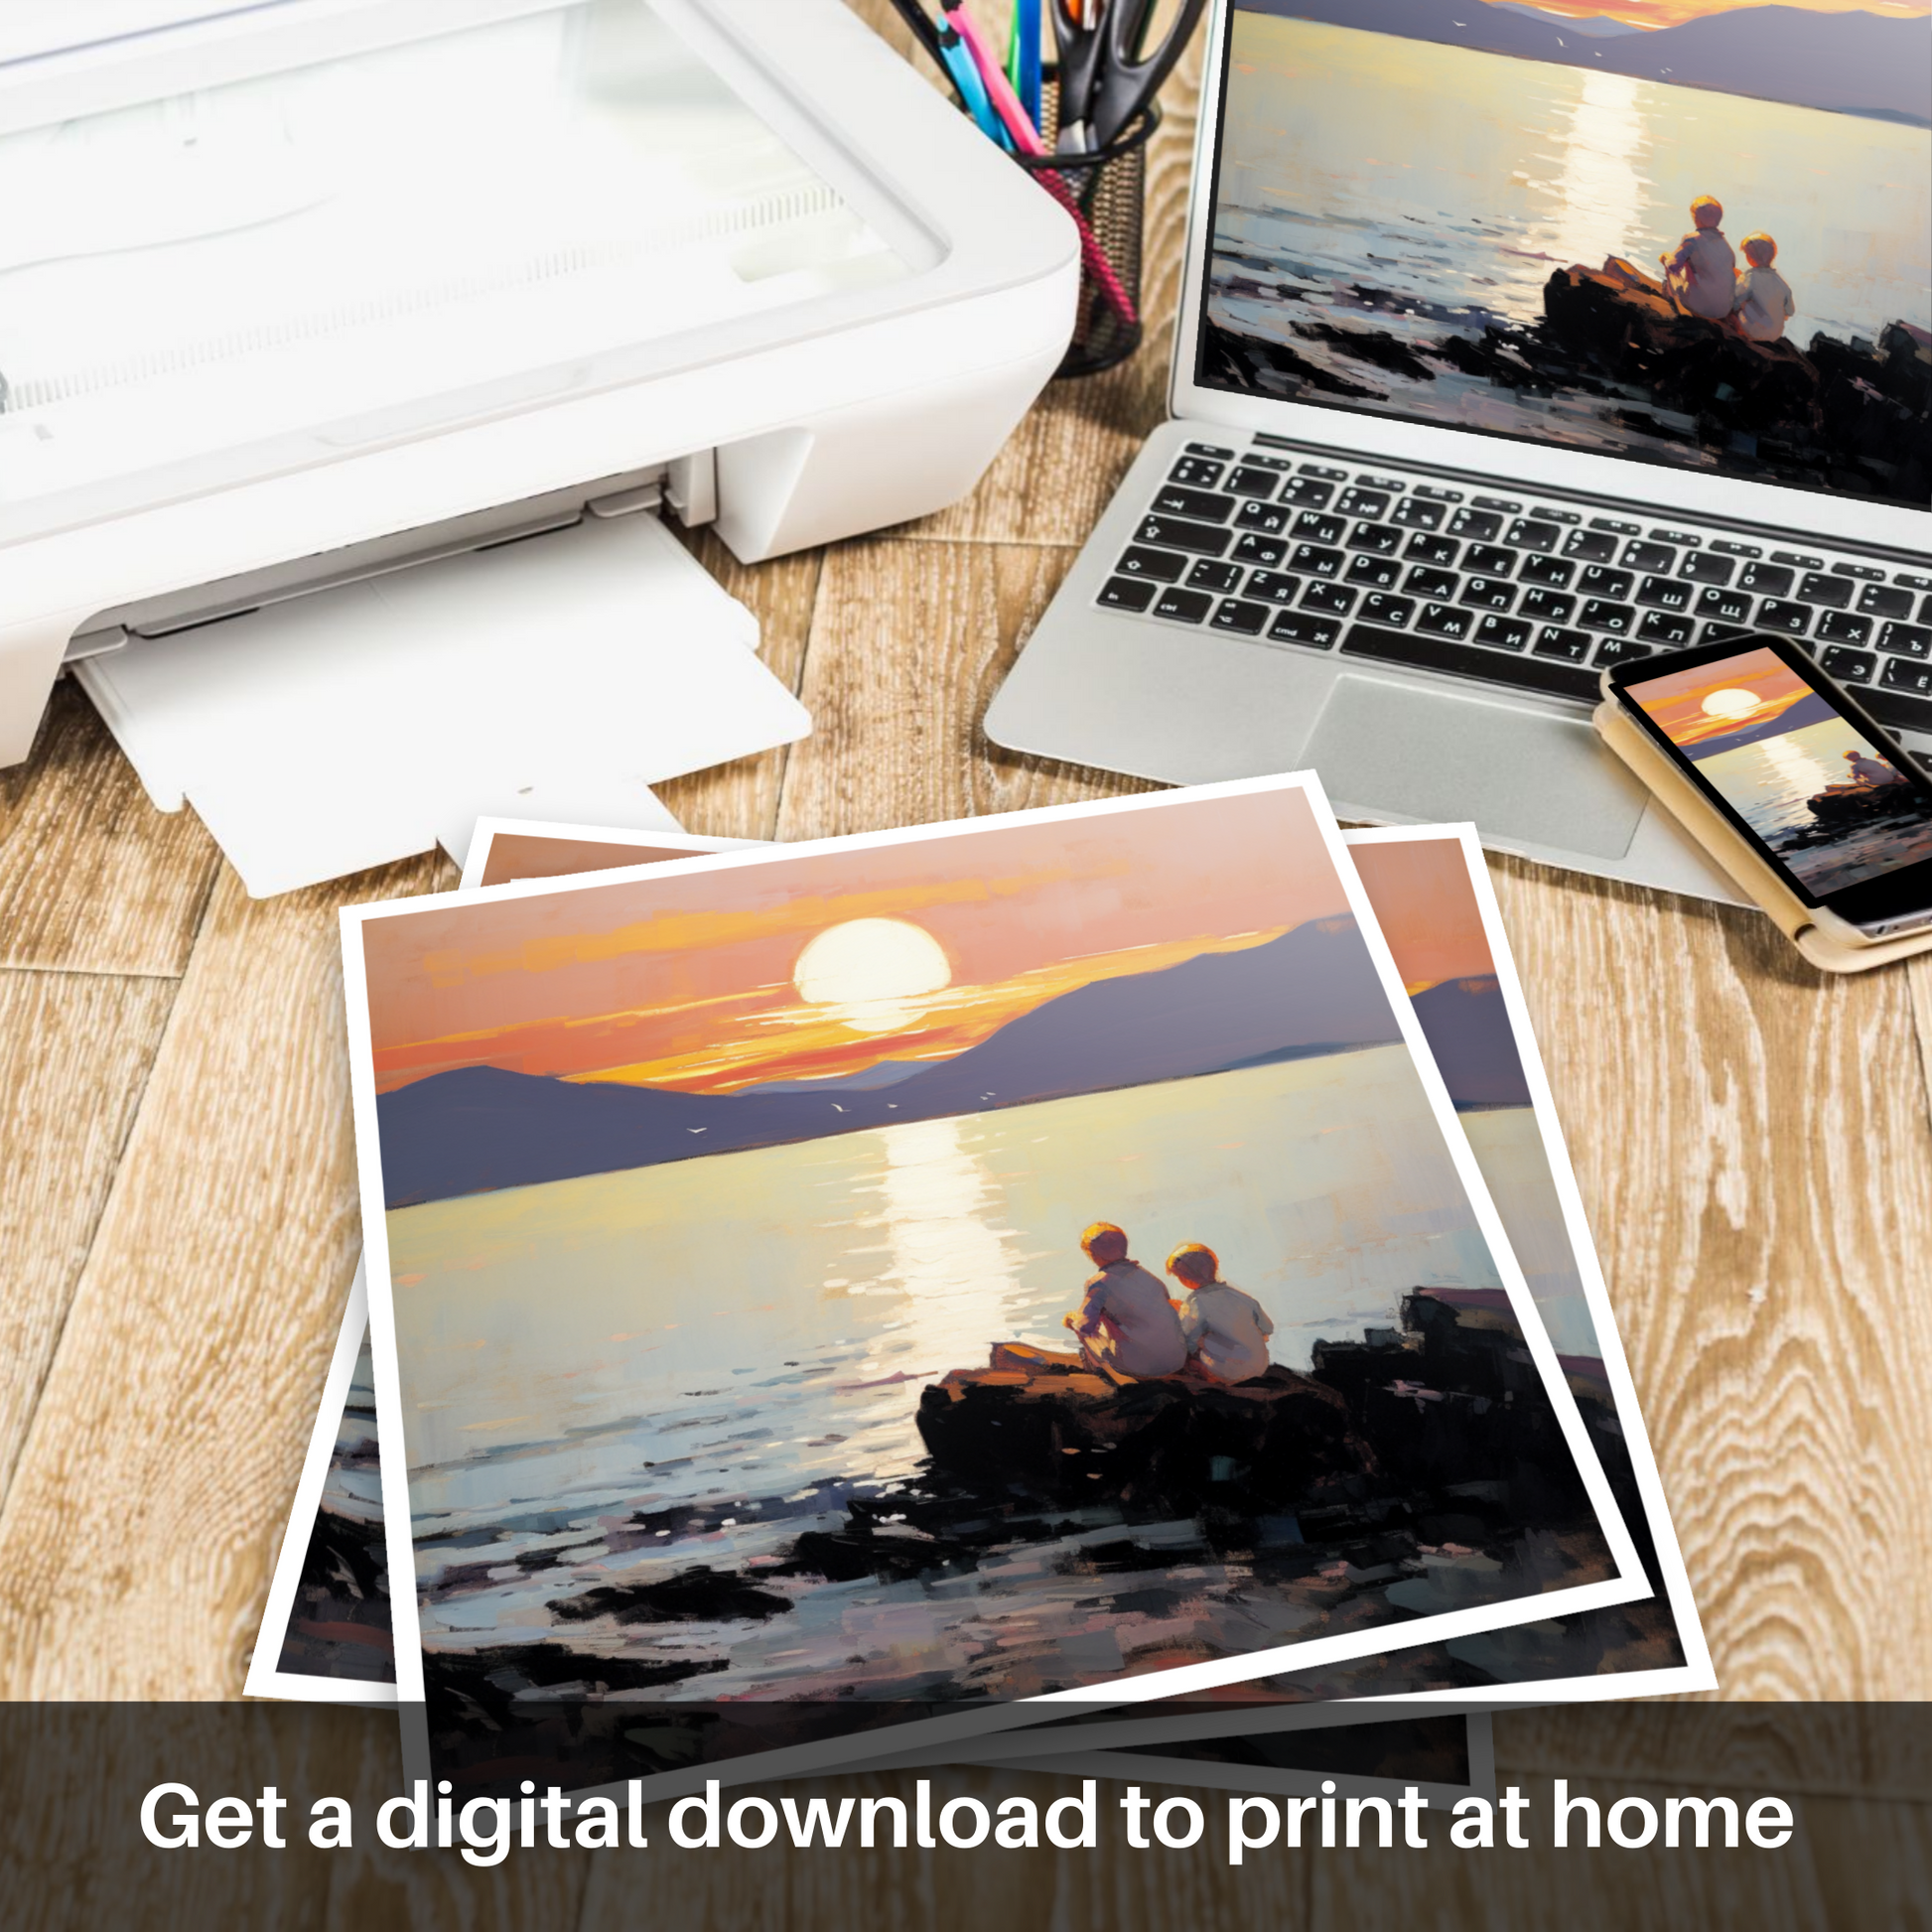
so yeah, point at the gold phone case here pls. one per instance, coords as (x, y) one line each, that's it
(1733, 853)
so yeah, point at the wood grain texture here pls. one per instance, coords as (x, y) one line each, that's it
(1753, 1145)
(147, 1501)
(75, 1054)
(909, 642)
(92, 879)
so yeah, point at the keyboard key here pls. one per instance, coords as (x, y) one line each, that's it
(1599, 614)
(1735, 549)
(1313, 527)
(1553, 517)
(1439, 653)
(1236, 613)
(1127, 593)
(1876, 601)
(1197, 472)
(1480, 524)
(1649, 556)
(1570, 646)
(1268, 518)
(1161, 565)
(1847, 666)
(1901, 674)
(1390, 483)
(1503, 503)
(1778, 614)
(1725, 633)
(1392, 611)
(1865, 573)
(1665, 627)
(1185, 607)
(1210, 449)
(1502, 633)
(1170, 500)
(1925, 612)
(1895, 709)
(1248, 480)
(1363, 502)
(1766, 578)
(1331, 598)
(1432, 583)
(1418, 513)
(1911, 581)
(1598, 581)
(1798, 559)
(1489, 560)
(1618, 650)
(1313, 561)
(1379, 573)
(1528, 533)
(1488, 595)
(1906, 639)
(1663, 593)
(1306, 493)
(1545, 607)
(1673, 537)
(1834, 592)
(1842, 627)
(1209, 575)
(1446, 621)
(1176, 533)
(1280, 464)
(1616, 529)
(1727, 607)
(1589, 546)
(1700, 567)
(1276, 586)
(1432, 550)
(1324, 471)
(1382, 538)
(1298, 627)
(1251, 548)
(1556, 572)
(1441, 495)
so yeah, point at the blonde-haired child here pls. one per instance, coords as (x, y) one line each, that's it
(1762, 304)
(1699, 275)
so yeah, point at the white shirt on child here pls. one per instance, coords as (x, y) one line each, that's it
(1764, 304)
(1709, 270)
(1227, 1332)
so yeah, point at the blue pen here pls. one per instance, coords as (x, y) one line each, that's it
(972, 89)
(1025, 83)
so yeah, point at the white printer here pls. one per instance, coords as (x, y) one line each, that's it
(310, 301)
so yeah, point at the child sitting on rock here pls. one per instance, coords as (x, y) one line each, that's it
(1762, 304)
(1226, 1329)
(1702, 275)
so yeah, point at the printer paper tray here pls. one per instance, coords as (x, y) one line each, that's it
(555, 677)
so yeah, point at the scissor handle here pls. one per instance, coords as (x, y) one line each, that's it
(1128, 80)
(1081, 50)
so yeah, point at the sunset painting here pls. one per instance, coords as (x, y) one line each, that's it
(1696, 231)
(1811, 786)
(783, 1254)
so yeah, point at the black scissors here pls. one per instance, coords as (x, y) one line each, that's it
(1107, 76)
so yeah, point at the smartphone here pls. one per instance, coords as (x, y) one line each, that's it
(1831, 801)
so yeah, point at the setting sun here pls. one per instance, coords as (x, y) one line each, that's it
(1731, 703)
(873, 970)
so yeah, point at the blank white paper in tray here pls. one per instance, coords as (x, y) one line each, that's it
(558, 677)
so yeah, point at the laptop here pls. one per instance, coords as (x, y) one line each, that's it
(1516, 342)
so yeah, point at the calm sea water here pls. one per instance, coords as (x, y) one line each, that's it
(1768, 782)
(1460, 180)
(733, 1347)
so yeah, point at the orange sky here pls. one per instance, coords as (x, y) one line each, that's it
(686, 979)
(1427, 909)
(1672, 13)
(1676, 702)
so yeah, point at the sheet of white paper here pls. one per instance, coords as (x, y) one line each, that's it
(559, 676)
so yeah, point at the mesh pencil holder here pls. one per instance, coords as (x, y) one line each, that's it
(1105, 192)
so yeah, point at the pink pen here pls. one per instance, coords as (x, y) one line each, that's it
(1026, 138)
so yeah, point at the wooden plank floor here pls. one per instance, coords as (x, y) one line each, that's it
(178, 1219)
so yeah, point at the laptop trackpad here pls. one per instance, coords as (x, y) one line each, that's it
(1434, 756)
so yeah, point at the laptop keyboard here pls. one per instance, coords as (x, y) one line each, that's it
(1531, 593)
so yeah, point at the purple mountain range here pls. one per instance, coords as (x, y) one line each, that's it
(1468, 1029)
(1846, 63)
(1312, 991)
(1794, 718)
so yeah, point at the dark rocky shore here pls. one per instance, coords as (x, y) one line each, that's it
(1851, 416)
(1408, 1472)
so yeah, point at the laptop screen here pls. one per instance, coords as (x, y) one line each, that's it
(1695, 232)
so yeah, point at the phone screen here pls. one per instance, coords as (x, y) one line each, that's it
(1839, 809)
